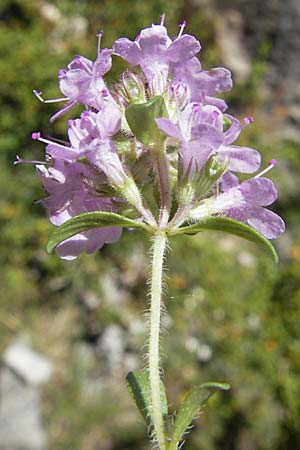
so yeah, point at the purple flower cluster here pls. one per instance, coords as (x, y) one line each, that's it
(104, 167)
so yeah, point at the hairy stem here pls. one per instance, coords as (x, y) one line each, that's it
(155, 316)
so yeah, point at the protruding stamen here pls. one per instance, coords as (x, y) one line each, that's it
(87, 116)
(72, 125)
(36, 136)
(63, 110)
(38, 95)
(162, 19)
(28, 161)
(56, 140)
(99, 36)
(182, 27)
(272, 163)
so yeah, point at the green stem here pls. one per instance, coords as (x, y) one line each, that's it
(160, 241)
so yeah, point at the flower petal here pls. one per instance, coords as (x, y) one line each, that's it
(154, 41)
(233, 131)
(267, 223)
(168, 128)
(228, 181)
(240, 159)
(103, 63)
(128, 50)
(214, 81)
(208, 136)
(260, 191)
(183, 48)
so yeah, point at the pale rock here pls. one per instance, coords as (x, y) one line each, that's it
(20, 416)
(27, 364)
(111, 345)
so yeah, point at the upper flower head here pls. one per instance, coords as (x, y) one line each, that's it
(160, 127)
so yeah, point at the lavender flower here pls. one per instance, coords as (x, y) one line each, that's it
(161, 125)
(244, 202)
(203, 85)
(75, 188)
(155, 52)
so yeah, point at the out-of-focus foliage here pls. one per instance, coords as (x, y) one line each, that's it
(233, 315)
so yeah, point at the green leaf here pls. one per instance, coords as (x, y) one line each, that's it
(88, 221)
(230, 226)
(190, 407)
(141, 119)
(138, 384)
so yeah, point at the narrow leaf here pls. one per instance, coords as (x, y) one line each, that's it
(88, 221)
(190, 407)
(230, 226)
(138, 384)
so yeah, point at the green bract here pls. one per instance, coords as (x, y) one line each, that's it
(141, 120)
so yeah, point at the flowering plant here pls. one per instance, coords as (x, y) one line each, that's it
(154, 152)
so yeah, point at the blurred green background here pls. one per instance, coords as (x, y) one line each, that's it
(233, 315)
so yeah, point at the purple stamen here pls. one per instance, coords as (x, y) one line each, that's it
(61, 73)
(99, 36)
(162, 19)
(214, 114)
(36, 135)
(248, 120)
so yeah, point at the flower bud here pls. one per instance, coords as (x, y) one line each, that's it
(209, 175)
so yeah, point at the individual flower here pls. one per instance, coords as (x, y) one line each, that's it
(154, 52)
(203, 85)
(244, 202)
(75, 188)
(199, 129)
(82, 82)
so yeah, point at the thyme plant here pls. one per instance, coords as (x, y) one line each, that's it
(153, 152)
